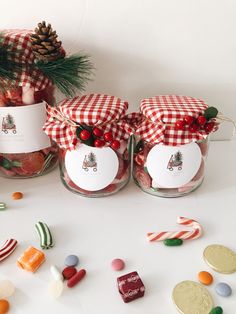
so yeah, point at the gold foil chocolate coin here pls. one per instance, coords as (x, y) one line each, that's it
(220, 258)
(192, 298)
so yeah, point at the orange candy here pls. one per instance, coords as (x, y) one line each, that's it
(205, 278)
(17, 195)
(31, 259)
(4, 306)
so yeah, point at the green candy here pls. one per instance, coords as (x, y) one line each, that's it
(2, 206)
(216, 310)
(173, 242)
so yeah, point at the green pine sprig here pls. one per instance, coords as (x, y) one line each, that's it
(8, 67)
(68, 74)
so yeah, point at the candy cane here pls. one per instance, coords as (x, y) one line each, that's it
(7, 248)
(185, 235)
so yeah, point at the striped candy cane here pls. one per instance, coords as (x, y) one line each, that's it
(185, 235)
(7, 248)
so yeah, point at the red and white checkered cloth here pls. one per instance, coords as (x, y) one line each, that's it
(19, 42)
(158, 115)
(105, 112)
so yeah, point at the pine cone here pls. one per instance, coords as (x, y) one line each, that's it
(45, 45)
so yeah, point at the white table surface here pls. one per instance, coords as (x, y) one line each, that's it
(98, 230)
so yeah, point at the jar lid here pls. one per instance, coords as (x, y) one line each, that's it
(18, 41)
(159, 115)
(170, 108)
(105, 112)
(93, 109)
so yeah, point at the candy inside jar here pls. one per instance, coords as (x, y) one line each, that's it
(172, 141)
(94, 140)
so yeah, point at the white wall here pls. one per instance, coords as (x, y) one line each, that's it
(146, 47)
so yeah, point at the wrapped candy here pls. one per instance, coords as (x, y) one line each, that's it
(172, 139)
(93, 136)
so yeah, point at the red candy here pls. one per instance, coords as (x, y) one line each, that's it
(76, 278)
(69, 272)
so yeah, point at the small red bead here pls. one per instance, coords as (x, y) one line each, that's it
(193, 128)
(115, 144)
(179, 125)
(188, 120)
(99, 143)
(108, 137)
(97, 132)
(201, 120)
(84, 135)
(209, 127)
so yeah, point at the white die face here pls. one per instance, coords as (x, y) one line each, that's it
(173, 166)
(92, 168)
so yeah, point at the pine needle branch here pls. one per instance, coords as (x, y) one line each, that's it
(68, 74)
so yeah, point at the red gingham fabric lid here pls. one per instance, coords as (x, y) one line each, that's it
(159, 113)
(104, 111)
(19, 41)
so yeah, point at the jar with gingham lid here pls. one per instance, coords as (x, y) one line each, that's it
(94, 139)
(172, 140)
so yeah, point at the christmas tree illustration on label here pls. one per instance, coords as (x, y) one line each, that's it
(90, 162)
(175, 161)
(8, 124)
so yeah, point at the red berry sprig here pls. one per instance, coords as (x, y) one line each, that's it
(101, 138)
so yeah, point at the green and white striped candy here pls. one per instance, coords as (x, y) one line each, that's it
(2, 206)
(46, 241)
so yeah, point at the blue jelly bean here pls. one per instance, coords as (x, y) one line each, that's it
(223, 289)
(71, 260)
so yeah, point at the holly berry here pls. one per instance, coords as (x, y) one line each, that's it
(97, 132)
(193, 128)
(209, 127)
(84, 135)
(201, 120)
(115, 144)
(179, 125)
(108, 137)
(99, 143)
(188, 120)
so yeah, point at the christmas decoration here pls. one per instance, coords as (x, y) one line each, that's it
(172, 134)
(93, 135)
(67, 73)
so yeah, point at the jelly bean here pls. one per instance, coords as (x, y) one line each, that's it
(76, 278)
(205, 278)
(69, 272)
(55, 288)
(173, 242)
(2, 206)
(17, 195)
(71, 260)
(56, 273)
(117, 264)
(223, 289)
(216, 310)
(4, 306)
(7, 289)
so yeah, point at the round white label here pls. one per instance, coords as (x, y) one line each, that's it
(92, 168)
(173, 166)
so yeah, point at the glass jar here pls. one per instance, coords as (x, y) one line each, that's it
(96, 172)
(94, 141)
(25, 150)
(172, 141)
(160, 173)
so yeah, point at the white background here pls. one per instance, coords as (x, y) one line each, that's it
(98, 230)
(144, 48)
